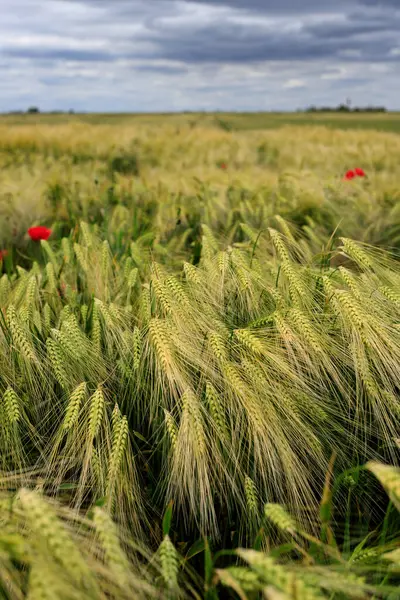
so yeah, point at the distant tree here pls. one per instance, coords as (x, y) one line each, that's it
(346, 108)
(33, 110)
(375, 109)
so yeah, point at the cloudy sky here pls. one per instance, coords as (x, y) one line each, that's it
(167, 55)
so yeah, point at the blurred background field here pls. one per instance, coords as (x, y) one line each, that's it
(236, 121)
(251, 166)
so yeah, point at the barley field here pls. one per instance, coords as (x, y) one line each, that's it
(199, 357)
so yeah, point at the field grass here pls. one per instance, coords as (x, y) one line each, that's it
(389, 122)
(199, 367)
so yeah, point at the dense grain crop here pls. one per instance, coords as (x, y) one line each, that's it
(199, 351)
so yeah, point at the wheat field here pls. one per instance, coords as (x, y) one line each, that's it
(200, 357)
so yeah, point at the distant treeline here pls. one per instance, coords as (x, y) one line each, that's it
(346, 108)
(311, 109)
(35, 110)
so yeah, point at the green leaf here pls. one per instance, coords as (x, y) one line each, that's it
(196, 548)
(68, 486)
(140, 436)
(208, 563)
(100, 502)
(282, 550)
(259, 539)
(166, 523)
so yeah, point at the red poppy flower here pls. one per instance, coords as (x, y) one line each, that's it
(3, 254)
(350, 175)
(359, 172)
(39, 233)
(223, 166)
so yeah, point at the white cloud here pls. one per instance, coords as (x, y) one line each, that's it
(337, 73)
(294, 83)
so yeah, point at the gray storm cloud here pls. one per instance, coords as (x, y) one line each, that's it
(171, 55)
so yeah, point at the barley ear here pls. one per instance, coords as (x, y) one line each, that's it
(96, 412)
(74, 405)
(169, 563)
(47, 527)
(251, 495)
(11, 406)
(389, 477)
(280, 518)
(171, 428)
(115, 557)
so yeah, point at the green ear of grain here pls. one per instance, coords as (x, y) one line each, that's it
(159, 336)
(389, 477)
(96, 412)
(216, 408)
(115, 557)
(74, 404)
(169, 563)
(119, 444)
(251, 495)
(11, 406)
(191, 273)
(171, 428)
(57, 359)
(280, 518)
(44, 523)
(19, 335)
(43, 583)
